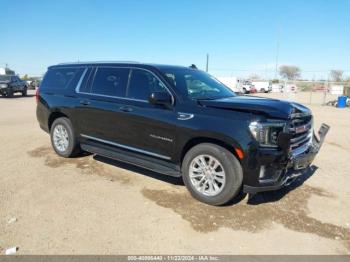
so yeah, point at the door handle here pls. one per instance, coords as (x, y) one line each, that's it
(126, 108)
(84, 102)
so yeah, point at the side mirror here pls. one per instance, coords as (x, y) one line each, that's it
(160, 98)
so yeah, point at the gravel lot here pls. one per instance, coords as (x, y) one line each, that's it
(90, 205)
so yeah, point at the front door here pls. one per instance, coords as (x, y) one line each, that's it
(151, 128)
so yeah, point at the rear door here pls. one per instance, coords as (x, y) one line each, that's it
(101, 96)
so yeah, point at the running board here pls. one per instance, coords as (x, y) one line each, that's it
(147, 162)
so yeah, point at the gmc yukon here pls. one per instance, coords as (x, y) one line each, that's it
(177, 121)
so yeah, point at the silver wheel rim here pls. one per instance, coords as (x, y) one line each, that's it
(60, 138)
(207, 175)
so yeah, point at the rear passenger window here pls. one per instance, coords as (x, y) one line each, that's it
(142, 84)
(61, 78)
(110, 81)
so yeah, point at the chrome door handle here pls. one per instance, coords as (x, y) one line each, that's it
(126, 108)
(84, 102)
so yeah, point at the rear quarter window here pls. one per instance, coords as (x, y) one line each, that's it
(61, 78)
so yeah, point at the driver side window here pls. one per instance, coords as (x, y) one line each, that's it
(142, 84)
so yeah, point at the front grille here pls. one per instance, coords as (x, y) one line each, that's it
(301, 129)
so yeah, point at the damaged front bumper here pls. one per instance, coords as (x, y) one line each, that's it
(297, 163)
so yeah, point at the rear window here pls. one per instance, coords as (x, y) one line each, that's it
(61, 78)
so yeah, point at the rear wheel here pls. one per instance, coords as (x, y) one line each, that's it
(263, 90)
(212, 174)
(63, 139)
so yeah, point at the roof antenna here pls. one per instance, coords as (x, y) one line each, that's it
(193, 66)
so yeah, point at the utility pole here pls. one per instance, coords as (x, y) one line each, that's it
(207, 66)
(277, 52)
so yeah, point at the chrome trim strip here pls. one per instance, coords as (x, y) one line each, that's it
(81, 80)
(126, 147)
(118, 97)
(300, 139)
(299, 115)
(184, 116)
(300, 150)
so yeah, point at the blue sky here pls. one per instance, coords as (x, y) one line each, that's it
(240, 36)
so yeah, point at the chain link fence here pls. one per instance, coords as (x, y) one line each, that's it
(310, 92)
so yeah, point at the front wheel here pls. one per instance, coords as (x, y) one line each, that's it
(10, 93)
(212, 174)
(63, 139)
(24, 92)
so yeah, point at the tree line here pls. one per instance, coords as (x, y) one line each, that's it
(291, 72)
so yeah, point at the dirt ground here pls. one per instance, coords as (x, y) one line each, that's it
(91, 205)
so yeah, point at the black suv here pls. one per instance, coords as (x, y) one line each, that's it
(12, 84)
(180, 122)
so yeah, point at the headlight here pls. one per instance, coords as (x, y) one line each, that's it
(266, 133)
(3, 85)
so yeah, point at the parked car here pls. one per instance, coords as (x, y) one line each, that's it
(180, 122)
(10, 84)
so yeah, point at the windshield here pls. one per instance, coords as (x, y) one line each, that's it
(5, 78)
(196, 84)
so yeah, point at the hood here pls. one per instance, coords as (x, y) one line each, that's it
(273, 108)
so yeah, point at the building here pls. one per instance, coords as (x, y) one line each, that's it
(6, 71)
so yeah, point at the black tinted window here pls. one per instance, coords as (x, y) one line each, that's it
(110, 81)
(61, 78)
(142, 84)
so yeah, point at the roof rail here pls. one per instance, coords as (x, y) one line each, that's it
(98, 62)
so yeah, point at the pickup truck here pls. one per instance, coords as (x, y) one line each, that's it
(10, 84)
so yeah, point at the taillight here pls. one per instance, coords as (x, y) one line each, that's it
(37, 95)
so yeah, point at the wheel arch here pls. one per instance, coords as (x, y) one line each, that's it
(200, 140)
(53, 116)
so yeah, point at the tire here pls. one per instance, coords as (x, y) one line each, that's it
(245, 91)
(10, 93)
(24, 92)
(233, 174)
(72, 148)
(262, 90)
